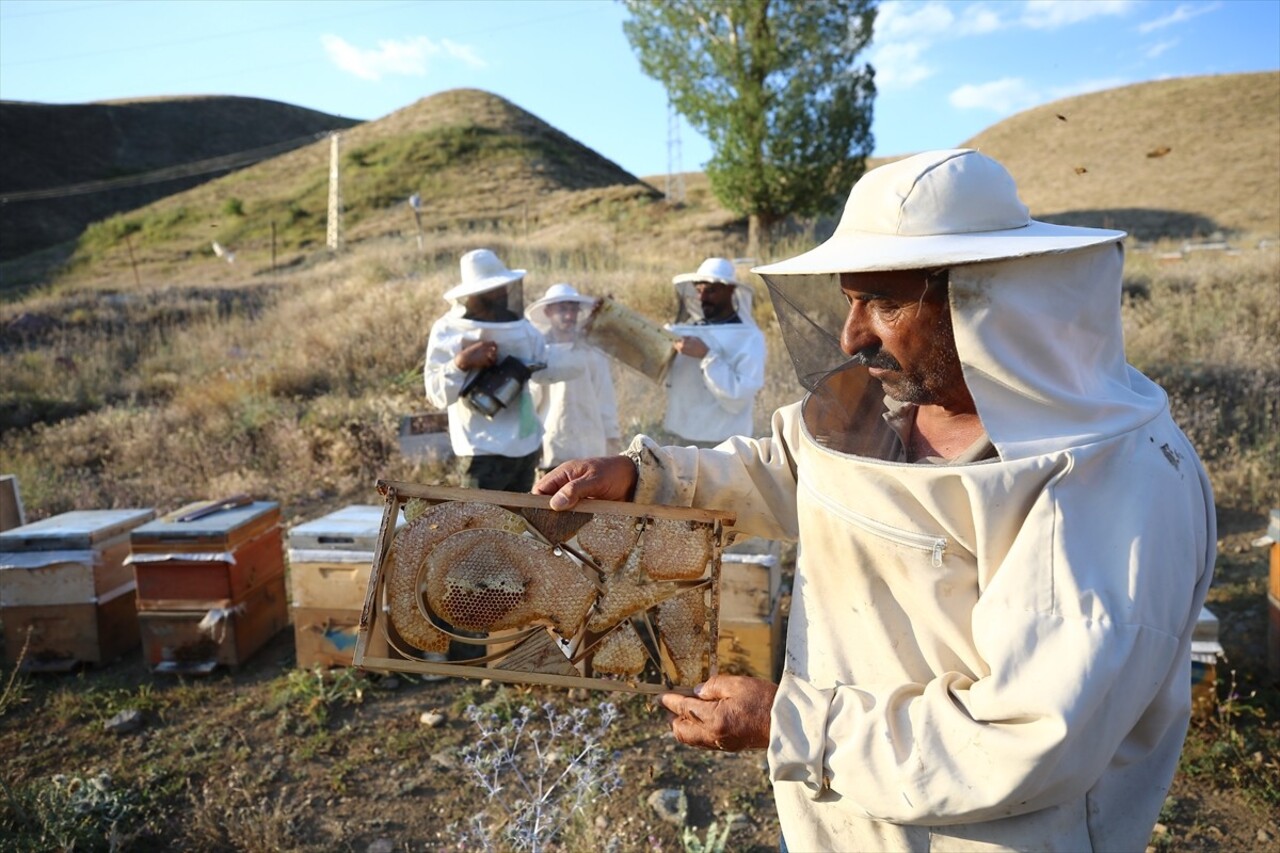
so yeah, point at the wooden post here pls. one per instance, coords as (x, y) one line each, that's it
(128, 241)
(334, 234)
(273, 247)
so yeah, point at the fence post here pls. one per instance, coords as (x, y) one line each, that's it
(128, 241)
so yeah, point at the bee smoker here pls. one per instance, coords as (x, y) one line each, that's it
(492, 389)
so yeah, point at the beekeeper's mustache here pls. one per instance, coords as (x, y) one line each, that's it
(875, 357)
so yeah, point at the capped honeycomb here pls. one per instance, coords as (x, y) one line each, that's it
(610, 539)
(620, 653)
(601, 596)
(674, 549)
(682, 629)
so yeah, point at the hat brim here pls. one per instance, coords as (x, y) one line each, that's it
(537, 312)
(694, 278)
(480, 285)
(860, 251)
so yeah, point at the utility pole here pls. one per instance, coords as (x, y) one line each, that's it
(334, 233)
(675, 173)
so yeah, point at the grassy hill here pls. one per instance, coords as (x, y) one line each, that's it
(1181, 158)
(49, 146)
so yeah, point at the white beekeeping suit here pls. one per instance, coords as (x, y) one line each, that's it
(987, 653)
(712, 397)
(579, 415)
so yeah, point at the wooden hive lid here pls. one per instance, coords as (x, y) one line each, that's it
(218, 525)
(77, 530)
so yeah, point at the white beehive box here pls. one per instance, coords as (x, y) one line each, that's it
(66, 594)
(329, 563)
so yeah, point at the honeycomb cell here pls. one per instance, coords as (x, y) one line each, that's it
(675, 548)
(682, 629)
(493, 580)
(620, 653)
(409, 552)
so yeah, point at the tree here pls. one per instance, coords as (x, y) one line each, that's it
(774, 86)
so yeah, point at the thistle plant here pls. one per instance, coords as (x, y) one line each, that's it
(537, 776)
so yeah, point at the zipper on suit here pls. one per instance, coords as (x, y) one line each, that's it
(934, 546)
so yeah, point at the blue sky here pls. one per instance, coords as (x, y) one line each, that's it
(945, 70)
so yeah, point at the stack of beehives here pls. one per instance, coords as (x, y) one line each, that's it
(66, 595)
(211, 585)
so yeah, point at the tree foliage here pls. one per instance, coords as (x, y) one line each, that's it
(775, 87)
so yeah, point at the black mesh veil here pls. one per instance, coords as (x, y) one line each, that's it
(845, 407)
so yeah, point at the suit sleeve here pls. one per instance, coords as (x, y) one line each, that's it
(734, 378)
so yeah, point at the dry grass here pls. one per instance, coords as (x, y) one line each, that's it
(1094, 165)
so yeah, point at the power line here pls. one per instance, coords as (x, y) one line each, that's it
(221, 163)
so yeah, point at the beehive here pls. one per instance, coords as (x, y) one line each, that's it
(752, 629)
(329, 562)
(1206, 651)
(210, 583)
(1272, 542)
(613, 595)
(66, 595)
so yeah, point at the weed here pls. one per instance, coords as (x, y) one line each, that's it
(311, 694)
(16, 686)
(715, 840)
(538, 779)
(69, 812)
(233, 813)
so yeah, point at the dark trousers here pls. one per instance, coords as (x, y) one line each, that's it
(503, 473)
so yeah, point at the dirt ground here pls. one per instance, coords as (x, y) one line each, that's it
(271, 758)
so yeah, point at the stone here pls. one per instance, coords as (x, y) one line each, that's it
(431, 719)
(671, 805)
(126, 722)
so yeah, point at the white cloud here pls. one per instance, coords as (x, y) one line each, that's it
(908, 21)
(1010, 95)
(407, 58)
(1005, 96)
(898, 66)
(906, 31)
(1184, 12)
(1157, 49)
(1053, 14)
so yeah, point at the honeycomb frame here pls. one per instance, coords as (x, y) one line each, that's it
(630, 591)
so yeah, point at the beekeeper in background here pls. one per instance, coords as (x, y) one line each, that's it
(719, 368)
(579, 416)
(484, 326)
(1005, 539)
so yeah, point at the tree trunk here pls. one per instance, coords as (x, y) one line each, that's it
(759, 235)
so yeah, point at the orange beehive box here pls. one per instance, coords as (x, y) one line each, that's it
(610, 596)
(329, 563)
(66, 595)
(206, 554)
(197, 641)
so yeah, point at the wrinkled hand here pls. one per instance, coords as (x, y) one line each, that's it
(691, 346)
(729, 712)
(476, 355)
(607, 478)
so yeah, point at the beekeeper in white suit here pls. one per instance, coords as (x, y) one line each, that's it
(579, 416)
(497, 442)
(719, 368)
(1006, 540)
